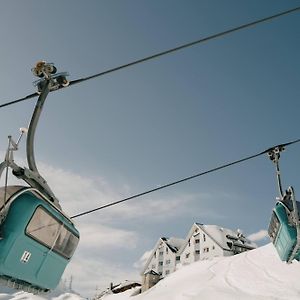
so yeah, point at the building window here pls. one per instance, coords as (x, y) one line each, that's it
(177, 258)
(206, 249)
(167, 250)
(197, 241)
(204, 237)
(167, 272)
(155, 254)
(213, 247)
(189, 243)
(168, 261)
(160, 263)
(197, 252)
(187, 255)
(161, 253)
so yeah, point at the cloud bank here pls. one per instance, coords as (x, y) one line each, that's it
(258, 236)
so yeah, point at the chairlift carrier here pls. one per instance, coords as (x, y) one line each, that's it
(37, 239)
(284, 228)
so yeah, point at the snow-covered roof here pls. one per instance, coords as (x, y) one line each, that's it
(225, 237)
(174, 243)
(126, 283)
(152, 272)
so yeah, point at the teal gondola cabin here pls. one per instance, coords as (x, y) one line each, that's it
(37, 240)
(282, 233)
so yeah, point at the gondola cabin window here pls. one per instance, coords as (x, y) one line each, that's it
(66, 243)
(273, 227)
(43, 227)
(50, 232)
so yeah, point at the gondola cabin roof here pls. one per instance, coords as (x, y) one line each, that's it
(14, 191)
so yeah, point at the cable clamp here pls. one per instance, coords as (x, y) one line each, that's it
(274, 153)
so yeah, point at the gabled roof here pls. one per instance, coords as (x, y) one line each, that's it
(223, 237)
(218, 234)
(125, 284)
(174, 244)
(152, 272)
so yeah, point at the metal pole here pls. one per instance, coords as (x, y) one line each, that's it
(279, 178)
(32, 127)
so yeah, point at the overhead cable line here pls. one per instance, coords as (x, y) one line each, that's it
(199, 41)
(185, 179)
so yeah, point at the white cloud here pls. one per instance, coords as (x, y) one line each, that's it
(103, 251)
(258, 236)
(89, 274)
(78, 194)
(88, 267)
(98, 237)
(95, 263)
(143, 259)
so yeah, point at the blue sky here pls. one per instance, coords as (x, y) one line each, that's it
(156, 122)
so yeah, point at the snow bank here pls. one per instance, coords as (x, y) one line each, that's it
(258, 274)
(28, 296)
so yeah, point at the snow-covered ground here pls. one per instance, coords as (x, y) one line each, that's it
(257, 274)
(61, 293)
(27, 296)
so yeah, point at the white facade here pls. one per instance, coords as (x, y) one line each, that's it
(163, 257)
(202, 242)
(209, 241)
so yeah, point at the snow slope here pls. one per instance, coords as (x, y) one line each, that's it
(257, 274)
(27, 296)
(60, 293)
